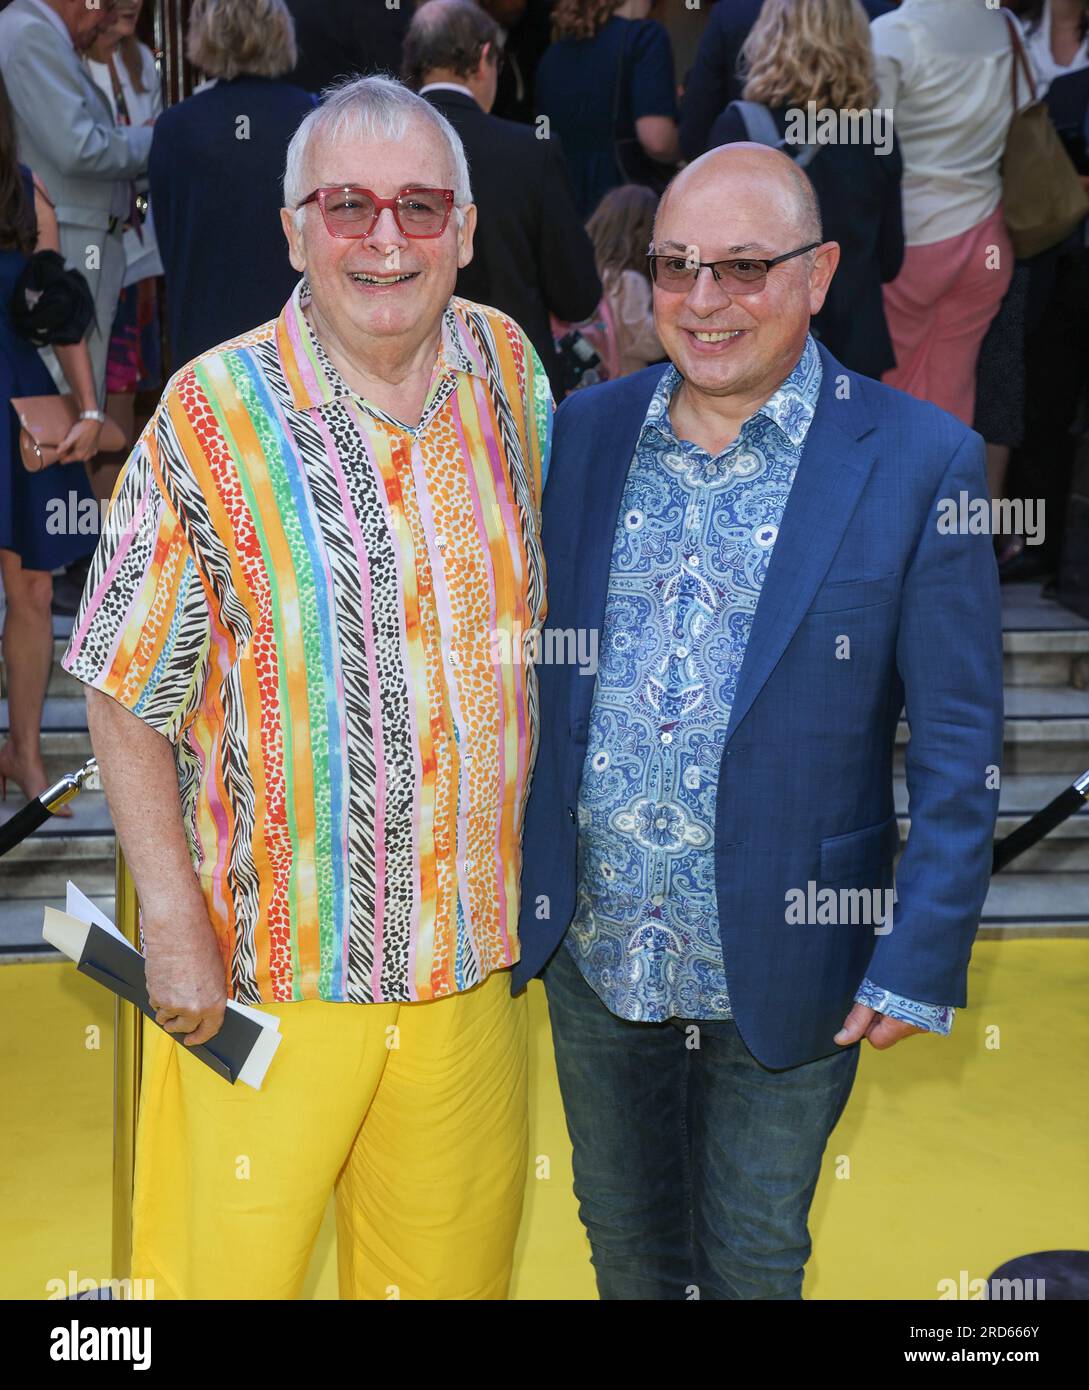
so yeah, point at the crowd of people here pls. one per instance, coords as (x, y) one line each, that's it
(177, 210)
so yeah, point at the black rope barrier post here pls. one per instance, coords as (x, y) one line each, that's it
(38, 811)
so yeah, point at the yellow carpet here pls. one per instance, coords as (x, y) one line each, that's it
(953, 1154)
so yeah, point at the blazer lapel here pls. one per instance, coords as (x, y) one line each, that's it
(832, 472)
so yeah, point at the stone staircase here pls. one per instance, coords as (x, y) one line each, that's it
(1046, 747)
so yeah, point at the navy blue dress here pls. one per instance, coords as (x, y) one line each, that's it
(217, 201)
(44, 535)
(576, 88)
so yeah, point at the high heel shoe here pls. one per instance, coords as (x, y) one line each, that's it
(62, 812)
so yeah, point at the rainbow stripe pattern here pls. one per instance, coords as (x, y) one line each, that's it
(325, 611)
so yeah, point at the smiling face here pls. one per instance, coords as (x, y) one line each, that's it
(383, 285)
(739, 201)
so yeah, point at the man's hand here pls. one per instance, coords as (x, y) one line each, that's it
(882, 1031)
(186, 970)
(186, 975)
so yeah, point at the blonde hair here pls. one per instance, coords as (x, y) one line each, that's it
(236, 38)
(810, 50)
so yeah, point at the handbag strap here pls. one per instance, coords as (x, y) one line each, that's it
(1020, 59)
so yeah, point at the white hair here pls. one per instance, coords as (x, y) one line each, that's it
(362, 108)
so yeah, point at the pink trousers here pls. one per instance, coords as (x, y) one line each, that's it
(939, 309)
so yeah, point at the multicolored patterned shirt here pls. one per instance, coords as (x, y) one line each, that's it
(693, 542)
(302, 593)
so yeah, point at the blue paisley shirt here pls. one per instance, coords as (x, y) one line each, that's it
(692, 546)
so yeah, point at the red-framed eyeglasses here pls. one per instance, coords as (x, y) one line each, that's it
(350, 211)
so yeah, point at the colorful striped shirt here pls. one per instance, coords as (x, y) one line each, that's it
(332, 617)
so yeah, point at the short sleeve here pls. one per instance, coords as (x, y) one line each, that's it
(653, 86)
(143, 631)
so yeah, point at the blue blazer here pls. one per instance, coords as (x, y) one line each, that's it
(805, 784)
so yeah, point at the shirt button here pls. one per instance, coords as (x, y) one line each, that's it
(658, 899)
(666, 737)
(711, 470)
(682, 651)
(693, 560)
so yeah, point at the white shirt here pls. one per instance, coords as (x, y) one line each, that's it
(141, 256)
(1038, 47)
(445, 87)
(943, 67)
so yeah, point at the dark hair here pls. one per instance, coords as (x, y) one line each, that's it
(447, 34)
(1033, 12)
(17, 220)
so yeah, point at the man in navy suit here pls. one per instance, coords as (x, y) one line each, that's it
(774, 556)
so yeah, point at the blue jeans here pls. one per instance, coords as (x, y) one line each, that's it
(695, 1166)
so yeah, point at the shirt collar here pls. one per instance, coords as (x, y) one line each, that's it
(791, 408)
(309, 374)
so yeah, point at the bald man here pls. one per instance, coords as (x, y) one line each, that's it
(758, 535)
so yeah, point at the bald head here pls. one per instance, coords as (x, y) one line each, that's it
(720, 171)
(734, 337)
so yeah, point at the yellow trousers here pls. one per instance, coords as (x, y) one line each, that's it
(415, 1114)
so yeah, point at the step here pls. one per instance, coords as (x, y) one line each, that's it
(83, 845)
(66, 745)
(1024, 607)
(1036, 903)
(1042, 657)
(1020, 797)
(21, 927)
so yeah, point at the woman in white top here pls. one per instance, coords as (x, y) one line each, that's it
(1056, 38)
(943, 68)
(124, 69)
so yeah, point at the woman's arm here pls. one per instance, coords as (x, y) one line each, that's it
(653, 93)
(81, 442)
(658, 137)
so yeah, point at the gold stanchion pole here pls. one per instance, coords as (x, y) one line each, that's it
(128, 1055)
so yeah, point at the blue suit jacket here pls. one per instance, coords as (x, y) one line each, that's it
(805, 784)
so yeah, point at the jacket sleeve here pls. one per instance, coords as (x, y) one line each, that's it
(77, 139)
(949, 656)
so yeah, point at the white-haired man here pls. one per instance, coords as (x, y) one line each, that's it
(292, 606)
